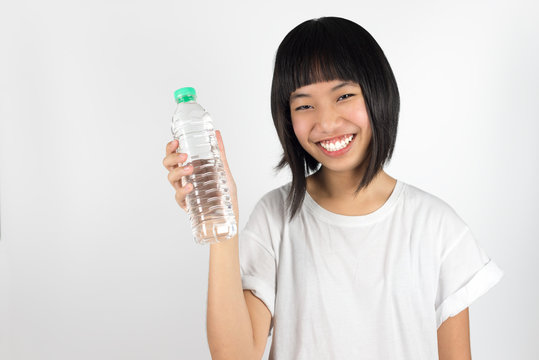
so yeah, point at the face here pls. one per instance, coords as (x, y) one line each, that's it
(331, 123)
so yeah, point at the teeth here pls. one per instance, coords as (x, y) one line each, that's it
(338, 145)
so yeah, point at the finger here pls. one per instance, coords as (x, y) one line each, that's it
(177, 185)
(181, 194)
(176, 174)
(172, 161)
(171, 146)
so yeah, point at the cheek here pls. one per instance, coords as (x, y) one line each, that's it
(300, 129)
(359, 115)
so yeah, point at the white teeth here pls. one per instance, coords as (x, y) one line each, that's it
(338, 145)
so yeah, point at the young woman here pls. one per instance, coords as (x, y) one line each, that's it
(344, 261)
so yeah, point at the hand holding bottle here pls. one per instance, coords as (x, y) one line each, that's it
(173, 162)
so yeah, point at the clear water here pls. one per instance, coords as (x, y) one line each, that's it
(209, 204)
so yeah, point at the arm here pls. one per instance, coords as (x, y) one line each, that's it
(229, 322)
(229, 329)
(454, 338)
(261, 321)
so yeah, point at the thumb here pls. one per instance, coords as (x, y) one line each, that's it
(221, 148)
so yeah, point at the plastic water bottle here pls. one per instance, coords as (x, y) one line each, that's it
(209, 205)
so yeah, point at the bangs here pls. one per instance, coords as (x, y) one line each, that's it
(314, 54)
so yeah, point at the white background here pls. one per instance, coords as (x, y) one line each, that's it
(97, 260)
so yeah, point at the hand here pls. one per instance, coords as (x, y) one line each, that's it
(173, 161)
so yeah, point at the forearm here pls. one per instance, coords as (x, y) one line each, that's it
(229, 329)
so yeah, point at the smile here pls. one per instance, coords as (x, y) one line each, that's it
(337, 147)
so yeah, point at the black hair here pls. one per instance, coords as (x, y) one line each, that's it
(325, 49)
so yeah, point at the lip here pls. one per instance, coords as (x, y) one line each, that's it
(338, 152)
(334, 137)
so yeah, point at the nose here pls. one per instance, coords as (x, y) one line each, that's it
(328, 119)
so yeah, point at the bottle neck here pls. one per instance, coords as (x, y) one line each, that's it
(187, 99)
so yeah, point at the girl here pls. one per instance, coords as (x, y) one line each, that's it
(344, 261)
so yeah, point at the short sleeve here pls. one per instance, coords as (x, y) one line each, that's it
(257, 258)
(466, 273)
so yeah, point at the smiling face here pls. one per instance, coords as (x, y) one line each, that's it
(331, 123)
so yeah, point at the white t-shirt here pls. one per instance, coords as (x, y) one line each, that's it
(367, 287)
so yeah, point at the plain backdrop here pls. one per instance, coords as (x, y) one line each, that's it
(97, 260)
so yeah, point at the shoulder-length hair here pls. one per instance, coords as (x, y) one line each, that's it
(325, 49)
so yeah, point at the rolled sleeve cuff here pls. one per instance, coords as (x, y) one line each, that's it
(488, 276)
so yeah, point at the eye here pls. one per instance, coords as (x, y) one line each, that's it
(346, 96)
(302, 107)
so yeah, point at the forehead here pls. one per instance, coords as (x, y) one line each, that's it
(321, 87)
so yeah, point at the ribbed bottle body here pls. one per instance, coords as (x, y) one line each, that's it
(209, 204)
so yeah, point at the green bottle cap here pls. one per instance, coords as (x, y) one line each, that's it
(185, 94)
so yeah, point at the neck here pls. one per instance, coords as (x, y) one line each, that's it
(342, 184)
(335, 191)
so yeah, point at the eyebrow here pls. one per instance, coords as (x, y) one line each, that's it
(300, 95)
